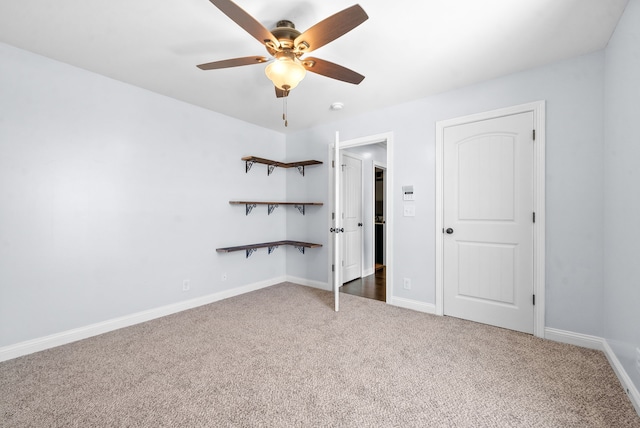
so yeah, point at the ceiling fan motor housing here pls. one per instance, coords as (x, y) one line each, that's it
(286, 34)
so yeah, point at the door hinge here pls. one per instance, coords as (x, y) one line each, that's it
(333, 164)
(534, 216)
(534, 135)
(534, 300)
(333, 268)
(333, 216)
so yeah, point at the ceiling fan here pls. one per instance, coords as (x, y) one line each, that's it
(287, 46)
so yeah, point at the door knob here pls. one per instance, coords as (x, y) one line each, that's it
(359, 224)
(449, 231)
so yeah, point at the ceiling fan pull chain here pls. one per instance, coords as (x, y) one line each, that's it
(284, 106)
(284, 110)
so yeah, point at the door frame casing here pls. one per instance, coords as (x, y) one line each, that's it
(387, 138)
(538, 110)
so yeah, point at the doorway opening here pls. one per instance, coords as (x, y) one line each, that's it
(376, 243)
(372, 285)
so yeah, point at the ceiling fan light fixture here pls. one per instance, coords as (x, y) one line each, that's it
(285, 72)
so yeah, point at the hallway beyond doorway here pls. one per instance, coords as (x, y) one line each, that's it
(372, 286)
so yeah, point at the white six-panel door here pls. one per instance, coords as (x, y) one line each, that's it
(488, 200)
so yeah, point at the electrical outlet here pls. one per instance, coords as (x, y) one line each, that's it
(224, 276)
(407, 283)
(186, 285)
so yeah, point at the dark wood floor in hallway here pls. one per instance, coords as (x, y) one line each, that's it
(372, 286)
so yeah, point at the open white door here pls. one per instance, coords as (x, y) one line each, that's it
(337, 223)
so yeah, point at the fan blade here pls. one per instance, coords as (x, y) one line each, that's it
(246, 21)
(331, 28)
(334, 71)
(235, 62)
(280, 93)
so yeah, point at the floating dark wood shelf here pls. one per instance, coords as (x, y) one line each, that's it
(251, 248)
(272, 205)
(271, 164)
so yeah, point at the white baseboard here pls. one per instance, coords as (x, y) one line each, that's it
(395, 301)
(62, 338)
(625, 380)
(427, 308)
(578, 339)
(594, 342)
(309, 283)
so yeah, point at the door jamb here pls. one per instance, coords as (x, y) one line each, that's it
(538, 109)
(362, 141)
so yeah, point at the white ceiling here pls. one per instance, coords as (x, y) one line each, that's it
(407, 49)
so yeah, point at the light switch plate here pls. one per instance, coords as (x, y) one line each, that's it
(409, 210)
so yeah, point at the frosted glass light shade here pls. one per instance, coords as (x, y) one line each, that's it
(285, 72)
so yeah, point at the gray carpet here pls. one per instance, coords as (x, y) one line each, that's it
(280, 357)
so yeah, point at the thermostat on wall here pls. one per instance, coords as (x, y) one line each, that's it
(407, 193)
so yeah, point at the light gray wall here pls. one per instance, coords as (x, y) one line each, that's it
(111, 196)
(573, 91)
(622, 191)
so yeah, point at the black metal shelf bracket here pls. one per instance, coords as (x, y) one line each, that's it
(271, 249)
(247, 166)
(270, 208)
(250, 207)
(300, 208)
(301, 169)
(250, 251)
(270, 169)
(300, 248)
